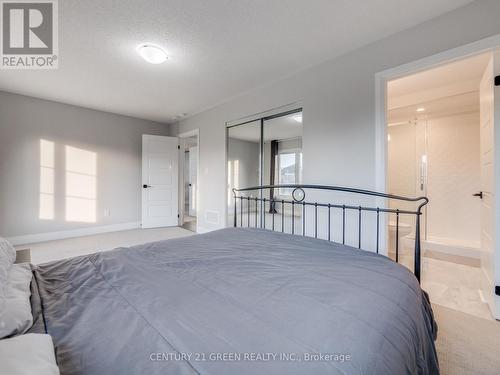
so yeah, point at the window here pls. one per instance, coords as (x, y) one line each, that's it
(289, 165)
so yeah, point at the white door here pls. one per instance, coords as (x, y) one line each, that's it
(160, 165)
(193, 183)
(490, 223)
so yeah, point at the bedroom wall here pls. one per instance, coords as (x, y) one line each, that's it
(113, 141)
(338, 99)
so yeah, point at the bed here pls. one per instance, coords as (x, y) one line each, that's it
(235, 301)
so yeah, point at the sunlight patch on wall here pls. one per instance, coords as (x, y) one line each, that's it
(229, 182)
(233, 179)
(81, 185)
(47, 178)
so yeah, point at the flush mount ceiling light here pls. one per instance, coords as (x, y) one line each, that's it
(298, 117)
(421, 109)
(152, 53)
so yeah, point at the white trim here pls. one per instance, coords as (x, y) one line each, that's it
(50, 236)
(182, 136)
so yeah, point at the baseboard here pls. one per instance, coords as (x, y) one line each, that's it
(51, 236)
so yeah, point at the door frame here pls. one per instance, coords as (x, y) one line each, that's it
(490, 44)
(182, 137)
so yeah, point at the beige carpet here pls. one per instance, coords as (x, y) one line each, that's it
(53, 250)
(467, 344)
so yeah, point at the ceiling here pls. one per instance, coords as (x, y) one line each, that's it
(218, 49)
(444, 90)
(280, 128)
(471, 68)
(461, 103)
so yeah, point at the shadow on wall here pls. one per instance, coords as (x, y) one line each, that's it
(80, 187)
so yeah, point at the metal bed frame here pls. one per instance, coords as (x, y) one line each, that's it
(300, 201)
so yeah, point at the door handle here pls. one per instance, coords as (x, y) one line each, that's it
(480, 195)
(146, 186)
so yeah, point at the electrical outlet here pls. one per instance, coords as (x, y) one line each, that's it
(107, 212)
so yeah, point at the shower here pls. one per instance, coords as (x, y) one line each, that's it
(436, 154)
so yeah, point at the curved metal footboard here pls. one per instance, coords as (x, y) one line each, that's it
(255, 210)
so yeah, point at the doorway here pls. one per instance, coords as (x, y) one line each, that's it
(189, 160)
(434, 149)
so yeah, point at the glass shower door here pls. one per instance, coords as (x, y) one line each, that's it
(406, 176)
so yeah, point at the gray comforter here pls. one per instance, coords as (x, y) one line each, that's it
(235, 301)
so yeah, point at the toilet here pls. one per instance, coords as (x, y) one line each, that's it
(404, 230)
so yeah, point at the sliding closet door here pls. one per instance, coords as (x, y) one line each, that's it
(282, 165)
(266, 151)
(282, 160)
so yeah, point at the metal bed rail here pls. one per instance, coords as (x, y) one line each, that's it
(298, 199)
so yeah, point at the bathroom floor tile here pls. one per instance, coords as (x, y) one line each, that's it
(455, 286)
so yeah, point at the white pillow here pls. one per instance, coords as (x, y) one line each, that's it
(28, 354)
(7, 258)
(16, 317)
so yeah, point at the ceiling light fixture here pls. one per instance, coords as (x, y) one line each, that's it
(421, 109)
(298, 117)
(152, 53)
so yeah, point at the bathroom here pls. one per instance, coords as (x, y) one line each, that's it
(433, 150)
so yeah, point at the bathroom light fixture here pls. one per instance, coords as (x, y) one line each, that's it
(298, 117)
(152, 53)
(421, 109)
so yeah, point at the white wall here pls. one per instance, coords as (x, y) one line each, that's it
(338, 99)
(453, 176)
(115, 142)
(402, 166)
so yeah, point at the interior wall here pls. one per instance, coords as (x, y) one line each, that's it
(451, 144)
(112, 141)
(402, 165)
(453, 176)
(338, 100)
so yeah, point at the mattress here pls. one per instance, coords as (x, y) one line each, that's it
(235, 301)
